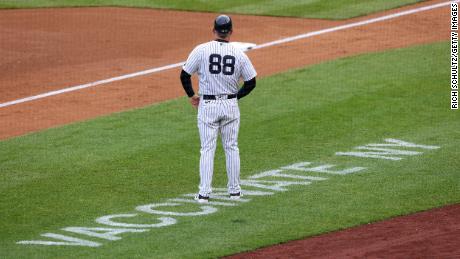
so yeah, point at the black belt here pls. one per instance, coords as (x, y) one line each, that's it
(218, 97)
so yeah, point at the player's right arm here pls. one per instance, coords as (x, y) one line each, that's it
(248, 73)
(247, 87)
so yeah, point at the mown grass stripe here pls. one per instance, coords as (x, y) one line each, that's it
(69, 176)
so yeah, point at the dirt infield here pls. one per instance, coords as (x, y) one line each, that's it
(430, 234)
(51, 49)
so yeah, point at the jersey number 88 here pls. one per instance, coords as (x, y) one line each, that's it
(218, 64)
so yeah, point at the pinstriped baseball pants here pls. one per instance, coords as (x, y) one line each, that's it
(214, 117)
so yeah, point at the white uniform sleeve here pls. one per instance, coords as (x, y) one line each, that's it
(247, 71)
(193, 61)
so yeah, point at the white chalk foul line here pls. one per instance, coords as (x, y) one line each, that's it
(351, 25)
(78, 87)
(264, 45)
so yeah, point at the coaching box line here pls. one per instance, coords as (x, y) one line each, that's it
(113, 227)
(263, 45)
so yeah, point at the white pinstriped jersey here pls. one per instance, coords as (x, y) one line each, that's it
(220, 65)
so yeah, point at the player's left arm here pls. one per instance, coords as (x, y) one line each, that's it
(186, 80)
(190, 67)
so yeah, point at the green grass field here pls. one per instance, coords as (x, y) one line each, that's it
(332, 9)
(69, 176)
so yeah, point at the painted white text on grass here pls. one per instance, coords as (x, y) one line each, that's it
(266, 183)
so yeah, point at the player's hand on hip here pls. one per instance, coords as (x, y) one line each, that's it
(195, 101)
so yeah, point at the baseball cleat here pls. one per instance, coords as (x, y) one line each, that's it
(201, 199)
(235, 196)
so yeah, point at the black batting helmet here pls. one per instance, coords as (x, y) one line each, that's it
(223, 24)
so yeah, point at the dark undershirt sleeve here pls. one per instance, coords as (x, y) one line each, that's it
(186, 80)
(248, 86)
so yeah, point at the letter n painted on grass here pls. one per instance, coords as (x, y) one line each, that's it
(386, 150)
(304, 166)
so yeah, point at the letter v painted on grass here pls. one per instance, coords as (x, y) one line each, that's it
(66, 241)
